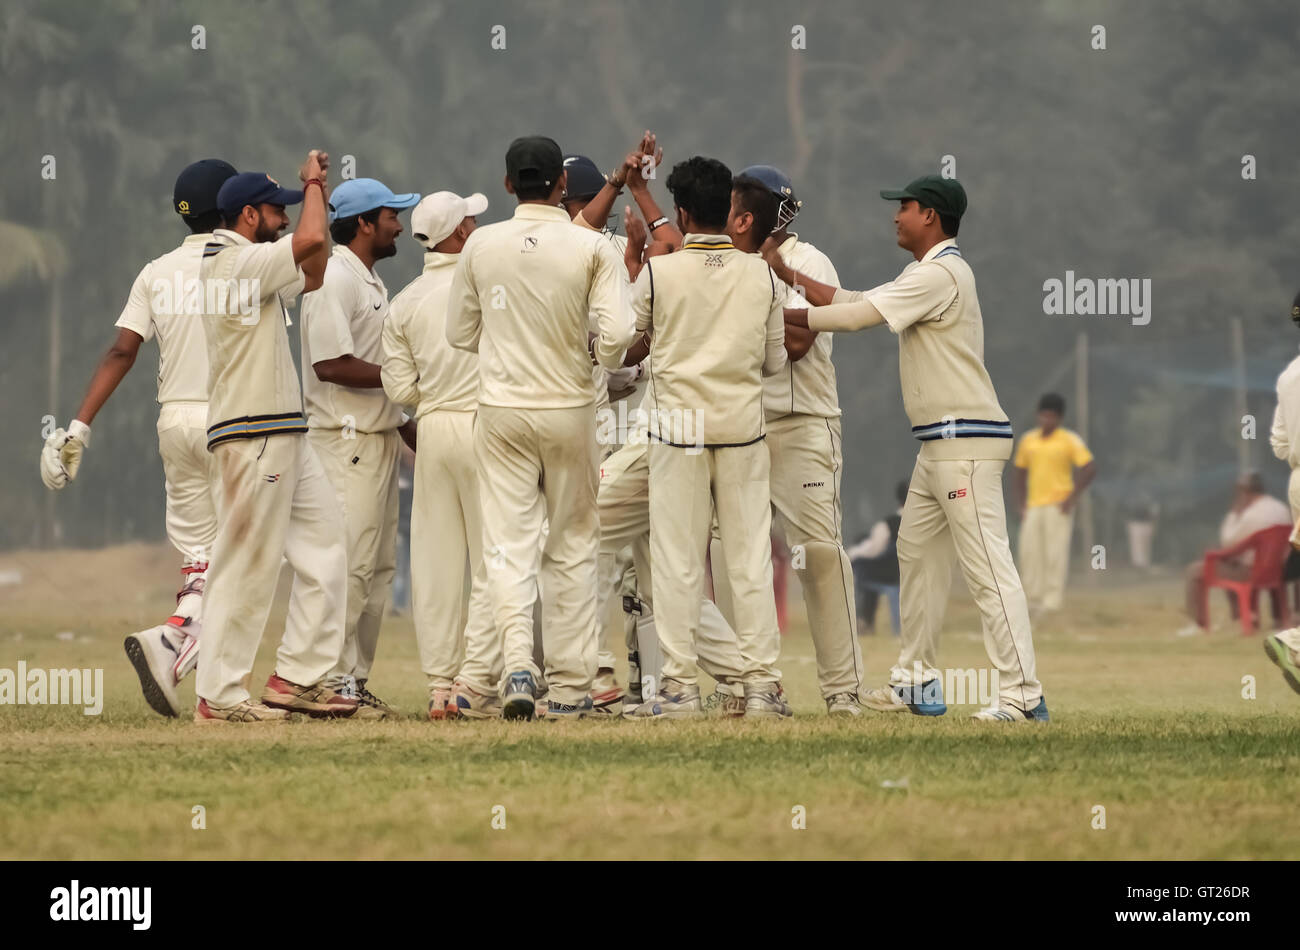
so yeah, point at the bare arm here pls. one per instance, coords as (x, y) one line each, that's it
(814, 291)
(351, 371)
(798, 340)
(311, 238)
(1019, 488)
(1082, 480)
(112, 369)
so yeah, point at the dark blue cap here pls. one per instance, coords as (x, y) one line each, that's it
(197, 186)
(253, 188)
(584, 178)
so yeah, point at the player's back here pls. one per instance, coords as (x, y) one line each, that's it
(167, 302)
(710, 313)
(533, 276)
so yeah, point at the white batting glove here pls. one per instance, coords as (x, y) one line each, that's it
(61, 456)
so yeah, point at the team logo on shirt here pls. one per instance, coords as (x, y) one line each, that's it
(272, 478)
(712, 260)
(530, 244)
(959, 493)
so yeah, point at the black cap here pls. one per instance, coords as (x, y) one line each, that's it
(584, 178)
(534, 160)
(197, 186)
(1295, 310)
(944, 195)
(253, 188)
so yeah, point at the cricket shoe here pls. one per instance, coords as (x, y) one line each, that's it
(153, 655)
(1005, 712)
(318, 701)
(1285, 657)
(766, 701)
(580, 710)
(521, 696)
(442, 704)
(923, 700)
(370, 706)
(724, 703)
(606, 695)
(243, 711)
(469, 703)
(843, 705)
(675, 700)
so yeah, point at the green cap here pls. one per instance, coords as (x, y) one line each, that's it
(944, 195)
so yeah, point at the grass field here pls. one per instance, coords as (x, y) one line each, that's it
(1153, 728)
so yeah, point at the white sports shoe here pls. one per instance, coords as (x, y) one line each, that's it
(766, 700)
(844, 705)
(675, 700)
(153, 655)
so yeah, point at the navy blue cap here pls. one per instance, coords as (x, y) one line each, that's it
(253, 188)
(779, 184)
(197, 186)
(584, 178)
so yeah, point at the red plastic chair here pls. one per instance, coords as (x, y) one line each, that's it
(1271, 547)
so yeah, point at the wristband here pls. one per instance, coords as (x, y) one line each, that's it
(80, 431)
(659, 222)
(314, 181)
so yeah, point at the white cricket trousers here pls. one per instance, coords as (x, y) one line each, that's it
(190, 473)
(1045, 555)
(686, 485)
(624, 503)
(276, 503)
(806, 464)
(539, 465)
(958, 503)
(363, 469)
(453, 624)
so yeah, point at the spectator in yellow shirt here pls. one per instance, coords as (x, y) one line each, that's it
(1053, 466)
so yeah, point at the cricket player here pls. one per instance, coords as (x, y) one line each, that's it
(955, 495)
(522, 297)
(1046, 488)
(276, 501)
(589, 197)
(351, 422)
(455, 634)
(714, 315)
(165, 304)
(1283, 647)
(624, 500)
(802, 409)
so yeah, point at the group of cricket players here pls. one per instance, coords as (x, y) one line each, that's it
(598, 420)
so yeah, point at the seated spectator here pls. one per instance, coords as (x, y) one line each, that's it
(875, 567)
(1252, 510)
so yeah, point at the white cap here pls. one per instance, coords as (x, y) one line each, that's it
(438, 214)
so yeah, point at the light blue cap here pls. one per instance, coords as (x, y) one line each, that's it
(359, 195)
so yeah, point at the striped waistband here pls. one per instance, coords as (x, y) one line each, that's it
(255, 427)
(963, 429)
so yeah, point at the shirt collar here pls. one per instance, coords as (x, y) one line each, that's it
(434, 260)
(934, 251)
(225, 236)
(537, 212)
(193, 240)
(347, 257)
(690, 239)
